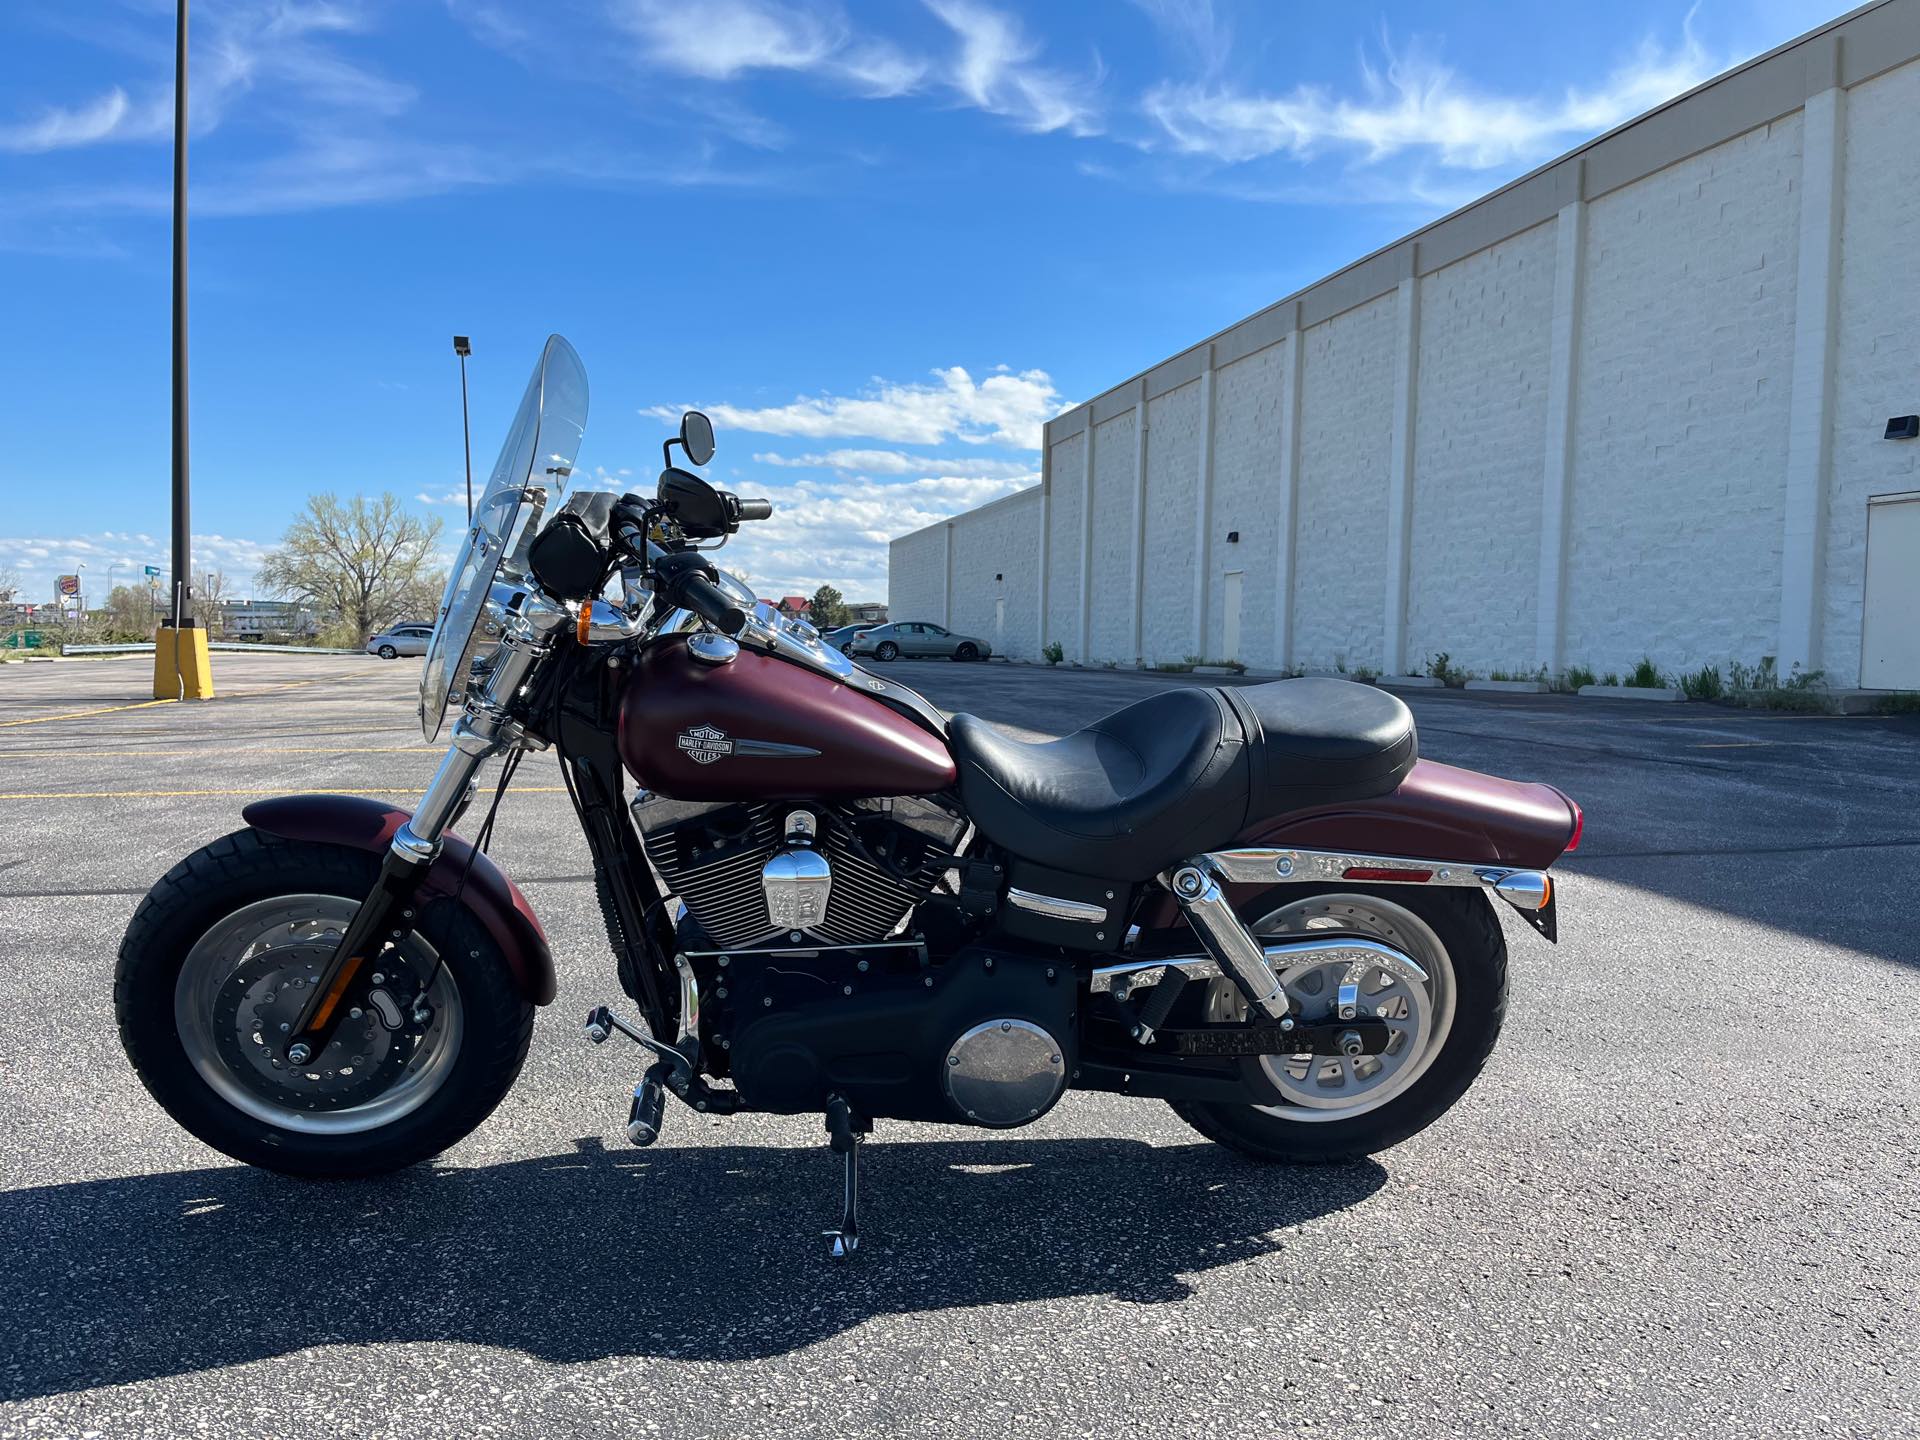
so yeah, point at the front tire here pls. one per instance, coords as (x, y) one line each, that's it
(886, 650)
(197, 991)
(967, 652)
(1456, 938)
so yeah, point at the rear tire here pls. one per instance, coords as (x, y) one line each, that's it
(1466, 926)
(213, 888)
(967, 652)
(387, 652)
(886, 650)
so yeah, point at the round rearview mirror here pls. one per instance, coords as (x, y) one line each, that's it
(696, 437)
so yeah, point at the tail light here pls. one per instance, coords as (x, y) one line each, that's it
(1579, 824)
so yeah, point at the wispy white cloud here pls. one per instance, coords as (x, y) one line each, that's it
(1006, 408)
(835, 532)
(111, 116)
(277, 49)
(118, 557)
(1413, 103)
(899, 462)
(723, 39)
(996, 70)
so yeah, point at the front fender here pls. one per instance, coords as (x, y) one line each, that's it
(364, 824)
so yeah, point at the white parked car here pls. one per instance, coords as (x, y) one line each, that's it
(400, 640)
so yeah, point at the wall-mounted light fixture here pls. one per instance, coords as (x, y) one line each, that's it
(1233, 537)
(1903, 427)
(999, 577)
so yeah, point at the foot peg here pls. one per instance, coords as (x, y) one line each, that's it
(844, 1134)
(649, 1107)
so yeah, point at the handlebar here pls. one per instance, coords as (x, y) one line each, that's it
(710, 603)
(753, 509)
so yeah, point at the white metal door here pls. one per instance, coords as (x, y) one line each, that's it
(1890, 628)
(1230, 617)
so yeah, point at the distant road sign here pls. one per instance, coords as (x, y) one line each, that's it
(69, 585)
(153, 572)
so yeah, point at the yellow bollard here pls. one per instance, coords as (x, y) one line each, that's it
(182, 669)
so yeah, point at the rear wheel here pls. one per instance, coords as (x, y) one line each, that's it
(387, 652)
(886, 650)
(1334, 1108)
(214, 969)
(967, 651)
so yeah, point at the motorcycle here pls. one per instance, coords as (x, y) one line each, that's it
(822, 895)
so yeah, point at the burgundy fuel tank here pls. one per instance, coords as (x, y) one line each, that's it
(758, 728)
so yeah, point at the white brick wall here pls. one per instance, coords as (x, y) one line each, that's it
(1110, 632)
(1246, 473)
(1877, 357)
(1173, 471)
(1063, 549)
(1346, 434)
(1686, 347)
(1677, 371)
(916, 574)
(999, 540)
(1479, 438)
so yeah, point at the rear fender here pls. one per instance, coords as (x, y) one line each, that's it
(364, 824)
(1439, 812)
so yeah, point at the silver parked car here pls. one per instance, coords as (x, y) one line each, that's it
(917, 639)
(398, 640)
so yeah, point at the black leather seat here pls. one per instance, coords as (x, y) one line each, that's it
(1179, 772)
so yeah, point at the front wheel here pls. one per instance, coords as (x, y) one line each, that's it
(1333, 1108)
(886, 650)
(967, 652)
(215, 967)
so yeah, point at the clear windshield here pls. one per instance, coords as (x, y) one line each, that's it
(528, 482)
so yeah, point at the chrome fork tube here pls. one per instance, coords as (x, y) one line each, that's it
(483, 730)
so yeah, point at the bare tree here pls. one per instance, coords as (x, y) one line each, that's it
(129, 612)
(208, 597)
(363, 561)
(9, 585)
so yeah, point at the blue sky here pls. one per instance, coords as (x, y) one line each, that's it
(880, 243)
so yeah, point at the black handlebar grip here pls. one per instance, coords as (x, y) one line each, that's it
(756, 509)
(710, 603)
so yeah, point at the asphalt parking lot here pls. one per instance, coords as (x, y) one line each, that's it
(1681, 1199)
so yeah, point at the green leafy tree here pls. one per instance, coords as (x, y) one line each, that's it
(362, 563)
(828, 609)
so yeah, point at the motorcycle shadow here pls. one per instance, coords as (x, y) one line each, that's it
(709, 1252)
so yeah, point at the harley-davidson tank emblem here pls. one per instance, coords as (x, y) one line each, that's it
(704, 744)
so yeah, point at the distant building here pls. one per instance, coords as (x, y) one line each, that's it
(267, 619)
(868, 612)
(794, 605)
(1654, 399)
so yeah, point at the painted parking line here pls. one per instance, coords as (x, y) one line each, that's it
(150, 704)
(214, 748)
(232, 794)
(82, 714)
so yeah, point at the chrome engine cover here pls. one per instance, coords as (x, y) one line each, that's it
(1005, 1072)
(796, 883)
(838, 874)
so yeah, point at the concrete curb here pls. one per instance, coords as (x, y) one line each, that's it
(1215, 670)
(1629, 692)
(1411, 682)
(1512, 687)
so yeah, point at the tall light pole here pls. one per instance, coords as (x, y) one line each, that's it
(180, 669)
(462, 348)
(182, 532)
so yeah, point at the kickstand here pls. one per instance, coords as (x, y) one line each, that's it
(844, 1134)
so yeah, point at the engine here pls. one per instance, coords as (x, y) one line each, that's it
(845, 873)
